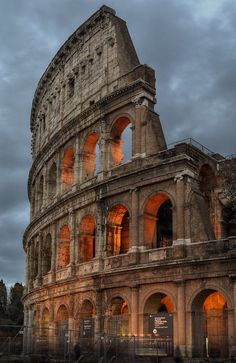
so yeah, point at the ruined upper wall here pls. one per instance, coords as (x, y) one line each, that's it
(95, 61)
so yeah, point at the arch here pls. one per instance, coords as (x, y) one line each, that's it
(67, 168)
(87, 309)
(64, 247)
(62, 313)
(52, 180)
(158, 221)
(47, 254)
(62, 318)
(117, 317)
(210, 324)
(118, 230)
(87, 238)
(158, 306)
(45, 322)
(120, 141)
(90, 156)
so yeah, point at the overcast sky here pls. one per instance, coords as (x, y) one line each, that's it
(190, 43)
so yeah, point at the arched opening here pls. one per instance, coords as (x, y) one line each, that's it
(118, 230)
(87, 314)
(52, 180)
(40, 192)
(47, 254)
(62, 318)
(67, 169)
(64, 247)
(87, 232)
(158, 221)
(45, 330)
(229, 220)
(91, 152)
(158, 306)
(117, 317)
(121, 141)
(210, 325)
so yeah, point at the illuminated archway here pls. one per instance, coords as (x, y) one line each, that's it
(64, 247)
(117, 315)
(118, 230)
(46, 254)
(210, 325)
(158, 221)
(52, 180)
(67, 169)
(121, 141)
(86, 238)
(157, 304)
(90, 158)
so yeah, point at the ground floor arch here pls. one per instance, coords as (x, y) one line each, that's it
(117, 317)
(210, 324)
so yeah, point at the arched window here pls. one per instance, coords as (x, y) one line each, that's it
(64, 247)
(91, 152)
(87, 238)
(121, 141)
(52, 180)
(118, 230)
(47, 254)
(67, 169)
(158, 221)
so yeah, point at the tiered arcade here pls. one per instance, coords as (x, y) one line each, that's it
(113, 239)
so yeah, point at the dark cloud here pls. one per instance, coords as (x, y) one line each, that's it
(190, 44)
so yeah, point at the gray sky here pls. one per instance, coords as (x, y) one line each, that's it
(190, 43)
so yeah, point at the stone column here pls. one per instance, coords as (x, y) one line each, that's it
(39, 242)
(72, 224)
(136, 134)
(181, 317)
(103, 145)
(134, 225)
(54, 251)
(58, 163)
(139, 139)
(135, 310)
(76, 165)
(179, 179)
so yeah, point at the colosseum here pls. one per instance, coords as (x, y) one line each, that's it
(129, 240)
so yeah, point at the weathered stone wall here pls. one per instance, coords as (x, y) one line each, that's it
(114, 234)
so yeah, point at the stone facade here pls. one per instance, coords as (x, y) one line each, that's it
(113, 240)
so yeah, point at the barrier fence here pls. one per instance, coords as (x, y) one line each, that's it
(67, 346)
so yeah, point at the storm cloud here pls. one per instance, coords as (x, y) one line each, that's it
(191, 45)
